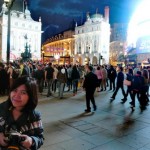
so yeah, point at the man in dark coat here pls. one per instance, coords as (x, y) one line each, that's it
(39, 76)
(89, 85)
(49, 78)
(119, 84)
(112, 76)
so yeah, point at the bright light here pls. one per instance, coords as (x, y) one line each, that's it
(56, 57)
(140, 23)
(6, 1)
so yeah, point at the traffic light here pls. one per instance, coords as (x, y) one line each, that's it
(101, 57)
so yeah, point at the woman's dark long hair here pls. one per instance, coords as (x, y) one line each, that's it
(31, 87)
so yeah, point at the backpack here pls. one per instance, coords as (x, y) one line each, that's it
(137, 83)
(15, 74)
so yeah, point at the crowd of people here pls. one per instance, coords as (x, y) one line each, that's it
(23, 80)
(58, 77)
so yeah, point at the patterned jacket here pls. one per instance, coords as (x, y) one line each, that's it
(29, 123)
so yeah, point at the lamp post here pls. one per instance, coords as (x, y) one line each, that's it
(43, 55)
(9, 4)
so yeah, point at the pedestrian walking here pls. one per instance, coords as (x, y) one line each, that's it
(61, 81)
(49, 78)
(69, 79)
(129, 76)
(119, 84)
(98, 73)
(137, 85)
(112, 74)
(39, 76)
(54, 84)
(104, 78)
(75, 76)
(89, 85)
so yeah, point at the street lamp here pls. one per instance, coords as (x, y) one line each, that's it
(9, 4)
(43, 55)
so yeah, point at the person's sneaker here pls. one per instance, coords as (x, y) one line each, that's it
(131, 103)
(142, 108)
(112, 98)
(123, 100)
(86, 110)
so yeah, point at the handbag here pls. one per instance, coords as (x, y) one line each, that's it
(127, 82)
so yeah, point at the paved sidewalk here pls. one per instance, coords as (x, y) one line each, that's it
(112, 127)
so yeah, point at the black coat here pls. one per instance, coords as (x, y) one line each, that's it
(120, 78)
(112, 74)
(90, 82)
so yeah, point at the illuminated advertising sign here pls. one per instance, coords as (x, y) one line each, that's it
(143, 45)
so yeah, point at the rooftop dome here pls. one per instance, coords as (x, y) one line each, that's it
(96, 17)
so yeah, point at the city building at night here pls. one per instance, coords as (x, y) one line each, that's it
(24, 31)
(118, 43)
(59, 49)
(92, 40)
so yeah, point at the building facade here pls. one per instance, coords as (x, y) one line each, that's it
(118, 43)
(92, 40)
(23, 31)
(59, 49)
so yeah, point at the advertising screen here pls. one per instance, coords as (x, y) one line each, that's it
(143, 45)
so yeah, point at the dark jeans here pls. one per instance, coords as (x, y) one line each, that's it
(128, 92)
(90, 97)
(116, 90)
(54, 85)
(69, 83)
(133, 94)
(75, 85)
(49, 82)
(40, 85)
(112, 84)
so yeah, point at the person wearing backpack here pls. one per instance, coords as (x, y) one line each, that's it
(137, 84)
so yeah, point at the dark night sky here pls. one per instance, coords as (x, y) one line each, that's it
(58, 15)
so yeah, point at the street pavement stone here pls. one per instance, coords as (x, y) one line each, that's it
(112, 127)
